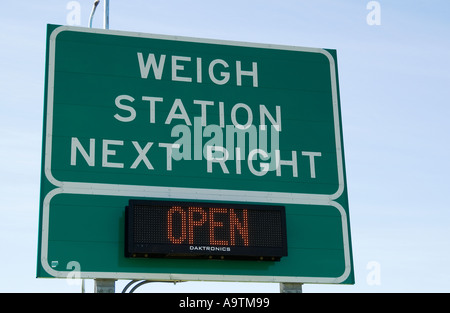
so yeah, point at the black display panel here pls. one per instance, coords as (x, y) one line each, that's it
(205, 230)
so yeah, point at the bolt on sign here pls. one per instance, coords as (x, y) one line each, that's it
(174, 158)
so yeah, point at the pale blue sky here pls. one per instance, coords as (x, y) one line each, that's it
(395, 91)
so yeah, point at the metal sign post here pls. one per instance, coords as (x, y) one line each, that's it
(104, 285)
(291, 288)
(91, 17)
(105, 14)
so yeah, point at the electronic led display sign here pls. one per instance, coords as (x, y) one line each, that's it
(205, 230)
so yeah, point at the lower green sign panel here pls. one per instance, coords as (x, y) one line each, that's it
(94, 238)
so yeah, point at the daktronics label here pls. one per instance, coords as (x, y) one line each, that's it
(205, 230)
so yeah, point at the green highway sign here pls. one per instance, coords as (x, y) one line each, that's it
(224, 131)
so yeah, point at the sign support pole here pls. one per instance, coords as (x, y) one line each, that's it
(291, 288)
(91, 17)
(104, 285)
(106, 15)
